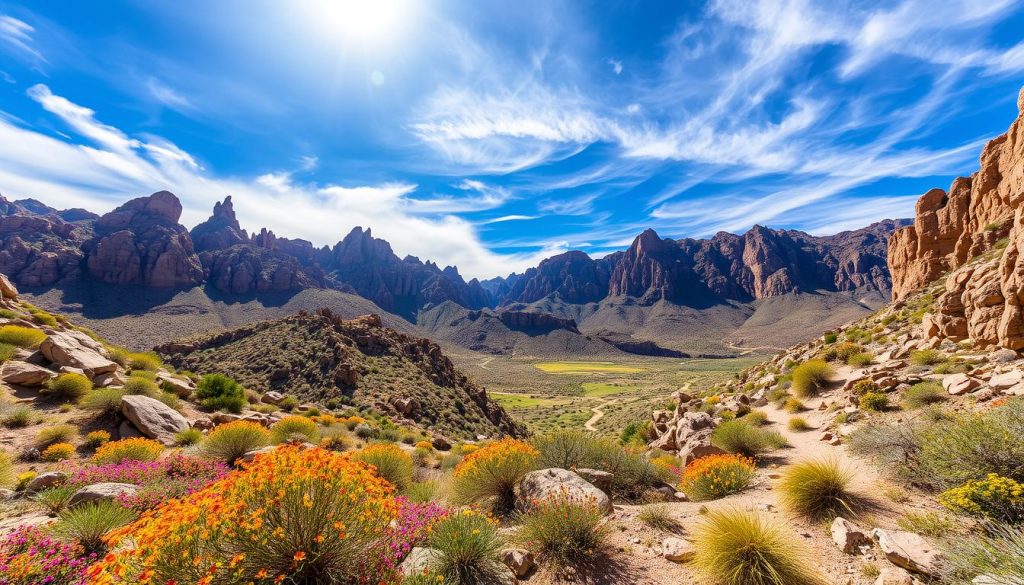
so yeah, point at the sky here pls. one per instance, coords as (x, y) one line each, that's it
(492, 134)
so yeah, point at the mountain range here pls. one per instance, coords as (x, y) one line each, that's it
(711, 288)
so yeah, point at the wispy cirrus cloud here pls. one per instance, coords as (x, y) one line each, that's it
(17, 34)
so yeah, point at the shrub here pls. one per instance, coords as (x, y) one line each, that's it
(632, 472)
(733, 547)
(140, 385)
(716, 476)
(17, 417)
(96, 438)
(421, 491)
(230, 441)
(468, 544)
(306, 515)
(56, 434)
(737, 436)
(289, 403)
(971, 446)
(21, 336)
(6, 469)
(924, 394)
(390, 462)
(810, 377)
(136, 449)
(43, 318)
(217, 391)
(993, 498)
(24, 479)
(58, 452)
(69, 387)
(104, 401)
(793, 406)
(861, 359)
(874, 401)
(31, 556)
(756, 418)
(926, 357)
(998, 553)
(291, 428)
(830, 337)
(864, 386)
(564, 530)
(55, 499)
(927, 524)
(493, 471)
(819, 489)
(147, 361)
(87, 523)
(798, 424)
(335, 441)
(188, 437)
(635, 433)
(659, 517)
(425, 445)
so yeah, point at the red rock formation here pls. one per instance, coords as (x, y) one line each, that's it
(962, 230)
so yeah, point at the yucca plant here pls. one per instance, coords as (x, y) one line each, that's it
(55, 499)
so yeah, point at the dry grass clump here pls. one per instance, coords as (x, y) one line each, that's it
(927, 357)
(70, 387)
(230, 441)
(924, 394)
(741, 548)
(810, 377)
(798, 424)
(738, 436)
(21, 336)
(390, 461)
(820, 489)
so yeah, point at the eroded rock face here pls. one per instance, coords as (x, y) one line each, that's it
(983, 298)
(142, 243)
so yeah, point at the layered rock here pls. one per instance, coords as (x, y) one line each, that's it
(972, 236)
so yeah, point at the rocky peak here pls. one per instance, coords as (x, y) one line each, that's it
(160, 207)
(222, 230)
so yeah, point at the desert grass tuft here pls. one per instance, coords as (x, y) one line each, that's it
(820, 489)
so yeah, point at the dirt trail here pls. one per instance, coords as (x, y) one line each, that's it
(598, 414)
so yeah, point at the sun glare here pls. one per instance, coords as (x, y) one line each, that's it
(363, 22)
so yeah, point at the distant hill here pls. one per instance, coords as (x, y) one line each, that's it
(319, 356)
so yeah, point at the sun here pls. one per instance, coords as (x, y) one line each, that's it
(362, 22)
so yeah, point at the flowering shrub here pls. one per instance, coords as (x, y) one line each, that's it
(468, 448)
(29, 556)
(172, 477)
(995, 498)
(668, 467)
(564, 529)
(493, 471)
(390, 462)
(716, 476)
(305, 515)
(295, 427)
(410, 528)
(58, 452)
(96, 438)
(137, 449)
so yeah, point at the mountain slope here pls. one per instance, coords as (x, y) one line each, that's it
(321, 356)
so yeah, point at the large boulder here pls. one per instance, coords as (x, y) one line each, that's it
(153, 418)
(46, 480)
(544, 484)
(77, 350)
(25, 374)
(7, 289)
(102, 492)
(909, 551)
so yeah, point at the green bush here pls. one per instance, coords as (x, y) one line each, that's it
(7, 351)
(70, 387)
(21, 336)
(971, 446)
(104, 401)
(810, 377)
(43, 318)
(18, 416)
(468, 545)
(831, 337)
(820, 489)
(55, 499)
(756, 418)
(62, 433)
(288, 403)
(6, 469)
(96, 438)
(188, 437)
(147, 361)
(217, 392)
(564, 531)
(635, 433)
(926, 357)
(87, 523)
(632, 472)
(391, 462)
(142, 386)
(230, 441)
(734, 547)
(924, 394)
(737, 436)
(999, 552)
(292, 428)
(874, 401)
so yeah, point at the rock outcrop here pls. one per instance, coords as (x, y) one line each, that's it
(153, 418)
(972, 236)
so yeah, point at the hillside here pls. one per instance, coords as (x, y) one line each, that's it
(319, 357)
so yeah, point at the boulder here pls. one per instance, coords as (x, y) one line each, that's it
(908, 550)
(7, 289)
(419, 560)
(272, 397)
(440, 443)
(848, 536)
(183, 387)
(35, 520)
(46, 480)
(26, 374)
(77, 350)
(109, 379)
(250, 455)
(894, 576)
(602, 480)
(959, 384)
(519, 561)
(677, 550)
(540, 485)
(98, 492)
(153, 418)
(1006, 380)
(1002, 356)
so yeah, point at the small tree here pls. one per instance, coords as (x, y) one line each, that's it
(217, 391)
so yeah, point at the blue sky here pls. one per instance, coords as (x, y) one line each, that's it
(489, 135)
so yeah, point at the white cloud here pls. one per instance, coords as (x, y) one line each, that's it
(505, 218)
(18, 34)
(616, 66)
(166, 95)
(115, 167)
(576, 206)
